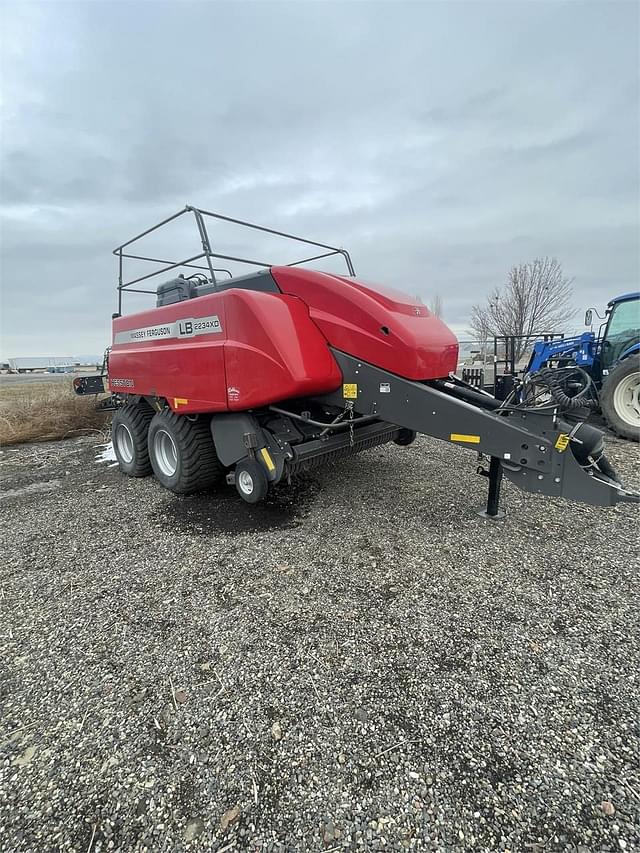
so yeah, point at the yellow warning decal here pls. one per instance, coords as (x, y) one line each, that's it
(268, 461)
(350, 391)
(562, 442)
(179, 401)
(467, 439)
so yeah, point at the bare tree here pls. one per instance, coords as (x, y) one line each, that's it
(436, 305)
(535, 299)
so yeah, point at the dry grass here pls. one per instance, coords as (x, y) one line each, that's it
(46, 411)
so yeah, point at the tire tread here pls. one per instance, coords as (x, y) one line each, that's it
(137, 418)
(614, 421)
(200, 467)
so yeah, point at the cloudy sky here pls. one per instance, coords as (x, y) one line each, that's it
(441, 142)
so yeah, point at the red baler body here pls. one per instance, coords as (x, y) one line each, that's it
(268, 347)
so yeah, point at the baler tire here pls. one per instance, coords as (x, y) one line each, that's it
(129, 434)
(405, 438)
(251, 481)
(625, 377)
(183, 455)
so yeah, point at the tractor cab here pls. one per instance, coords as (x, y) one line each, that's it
(621, 334)
(616, 364)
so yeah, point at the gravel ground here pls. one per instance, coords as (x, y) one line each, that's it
(362, 664)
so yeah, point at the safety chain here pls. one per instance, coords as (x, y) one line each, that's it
(349, 405)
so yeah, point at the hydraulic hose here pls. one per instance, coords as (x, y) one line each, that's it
(587, 445)
(484, 401)
(553, 378)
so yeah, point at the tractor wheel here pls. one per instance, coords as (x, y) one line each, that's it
(183, 456)
(129, 429)
(620, 398)
(251, 481)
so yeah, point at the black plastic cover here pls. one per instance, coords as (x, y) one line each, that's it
(175, 290)
(261, 280)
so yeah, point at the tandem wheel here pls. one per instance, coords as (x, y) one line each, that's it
(251, 481)
(129, 430)
(182, 453)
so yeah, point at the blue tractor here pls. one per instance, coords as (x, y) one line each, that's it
(592, 370)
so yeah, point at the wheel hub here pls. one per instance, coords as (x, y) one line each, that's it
(245, 482)
(165, 453)
(124, 443)
(626, 399)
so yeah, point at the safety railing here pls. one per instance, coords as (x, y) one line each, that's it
(207, 252)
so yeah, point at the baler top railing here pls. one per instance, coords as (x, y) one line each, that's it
(333, 250)
(208, 253)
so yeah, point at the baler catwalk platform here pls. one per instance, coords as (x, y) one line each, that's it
(250, 379)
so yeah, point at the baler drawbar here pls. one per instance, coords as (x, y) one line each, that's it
(253, 378)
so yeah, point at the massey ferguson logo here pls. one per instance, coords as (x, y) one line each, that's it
(198, 326)
(187, 328)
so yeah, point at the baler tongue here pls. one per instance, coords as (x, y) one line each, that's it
(588, 452)
(536, 448)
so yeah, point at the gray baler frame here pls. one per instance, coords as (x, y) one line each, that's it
(535, 448)
(538, 449)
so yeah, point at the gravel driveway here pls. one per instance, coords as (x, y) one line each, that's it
(362, 664)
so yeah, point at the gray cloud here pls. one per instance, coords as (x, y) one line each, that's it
(440, 143)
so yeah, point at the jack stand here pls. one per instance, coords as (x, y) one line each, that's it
(493, 511)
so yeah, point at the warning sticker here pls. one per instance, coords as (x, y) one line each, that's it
(267, 459)
(467, 439)
(562, 442)
(350, 391)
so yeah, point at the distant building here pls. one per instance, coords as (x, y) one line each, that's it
(49, 364)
